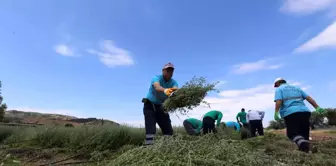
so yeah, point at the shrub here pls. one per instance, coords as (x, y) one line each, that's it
(279, 124)
(6, 131)
(68, 125)
(317, 119)
(331, 115)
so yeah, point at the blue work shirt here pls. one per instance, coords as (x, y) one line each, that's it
(292, 99)
(233, 124)
(159, 97)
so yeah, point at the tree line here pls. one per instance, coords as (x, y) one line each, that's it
(317, 120)
(3, 106)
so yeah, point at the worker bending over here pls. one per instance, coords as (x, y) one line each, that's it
(209, 121)
(161, 87)
(192, 126)
(289, 101)
(255, 120)
(234, 125)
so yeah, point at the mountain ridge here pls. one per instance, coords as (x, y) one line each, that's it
(18, 116)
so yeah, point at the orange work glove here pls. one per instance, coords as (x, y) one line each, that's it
(174, 89)
(169, 91)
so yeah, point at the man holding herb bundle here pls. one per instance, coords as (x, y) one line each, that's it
(161, 87)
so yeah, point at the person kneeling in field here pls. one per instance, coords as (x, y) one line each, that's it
(290, 103)
(161, 87)
(209, 121)
(192, 126)
(234, 125)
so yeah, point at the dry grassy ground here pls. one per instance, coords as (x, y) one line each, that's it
(318, 135)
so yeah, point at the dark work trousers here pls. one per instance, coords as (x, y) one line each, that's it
(208, 125)
(256, 125)
(243, 128)
(297, 126)
(246, 125)
(189, 128)
(155, 114)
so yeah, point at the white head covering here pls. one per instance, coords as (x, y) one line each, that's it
(278, 79)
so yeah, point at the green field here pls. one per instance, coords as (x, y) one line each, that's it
(119, 146)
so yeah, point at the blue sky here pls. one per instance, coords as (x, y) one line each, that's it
(95, 59)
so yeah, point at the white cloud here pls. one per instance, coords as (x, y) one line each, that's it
(249, 67)
(111, 55)
(326, 39)
(64, 50)
(244, 92)
(307, 6)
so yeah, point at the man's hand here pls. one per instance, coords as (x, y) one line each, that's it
(320, 110)
(173, 88)
(276, 116)
(169, 91)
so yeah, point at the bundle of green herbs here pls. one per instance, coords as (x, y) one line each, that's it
(189, 96)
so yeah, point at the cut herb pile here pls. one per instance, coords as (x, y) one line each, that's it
(189, 96)
(219, 150)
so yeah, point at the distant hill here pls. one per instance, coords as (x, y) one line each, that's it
(15, 116)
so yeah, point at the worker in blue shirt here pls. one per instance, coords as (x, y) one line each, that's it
(289, 103)
(234, 125)
(161, 87)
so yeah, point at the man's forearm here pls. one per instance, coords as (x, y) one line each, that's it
(312, 102)
(158, 87)
(278, 105)
(276, 109)
(218, 121)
